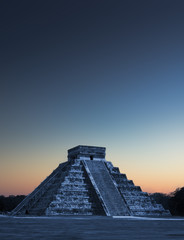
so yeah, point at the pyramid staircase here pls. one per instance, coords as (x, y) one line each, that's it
(76, 195)
(113, 201)
(88, 185)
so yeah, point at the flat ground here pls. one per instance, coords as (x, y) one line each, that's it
(84, 228)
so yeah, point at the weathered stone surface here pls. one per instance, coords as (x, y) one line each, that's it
(88, 185)
(111, 197)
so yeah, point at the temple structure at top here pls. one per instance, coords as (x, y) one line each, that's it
(87, 184)
(86, 153)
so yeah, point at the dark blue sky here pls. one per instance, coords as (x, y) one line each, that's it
(103, 72)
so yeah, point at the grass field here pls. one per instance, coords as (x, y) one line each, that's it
(84, 228)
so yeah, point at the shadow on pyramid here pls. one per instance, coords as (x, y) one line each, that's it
(87, 184)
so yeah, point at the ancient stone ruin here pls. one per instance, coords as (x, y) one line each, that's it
(87, 184)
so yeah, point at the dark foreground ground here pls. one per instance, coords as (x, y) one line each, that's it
(84, 228)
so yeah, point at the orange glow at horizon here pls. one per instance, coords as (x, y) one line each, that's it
(21, 175)
(23, 181)
(22, 172)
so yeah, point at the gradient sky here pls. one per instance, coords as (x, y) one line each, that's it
(106, 73)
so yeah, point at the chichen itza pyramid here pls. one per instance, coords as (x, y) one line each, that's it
(87, 184)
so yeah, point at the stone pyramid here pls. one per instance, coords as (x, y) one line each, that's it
(87, 184)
